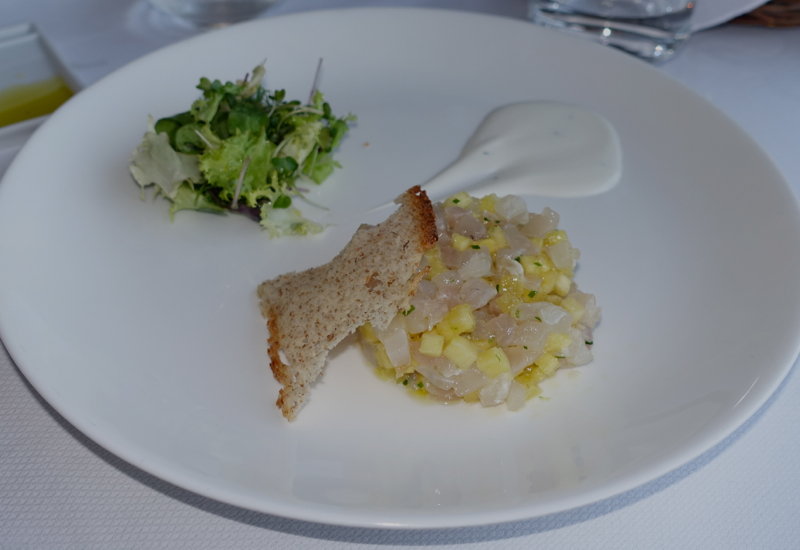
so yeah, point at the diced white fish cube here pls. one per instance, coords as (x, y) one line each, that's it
(496, 392)
(516, 396)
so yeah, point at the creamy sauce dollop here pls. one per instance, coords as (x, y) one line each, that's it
(542, 148)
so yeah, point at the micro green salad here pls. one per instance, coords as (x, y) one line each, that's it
(244, 149)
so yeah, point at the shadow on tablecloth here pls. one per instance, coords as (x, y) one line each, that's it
(413, 537)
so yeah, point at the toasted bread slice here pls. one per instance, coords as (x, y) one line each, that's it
(373, 278)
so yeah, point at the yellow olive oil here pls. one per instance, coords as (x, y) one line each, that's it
(26, 101)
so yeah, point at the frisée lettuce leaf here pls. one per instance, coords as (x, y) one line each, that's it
(242, 148)
(156, 162)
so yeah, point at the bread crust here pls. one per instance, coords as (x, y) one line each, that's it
(370, 280)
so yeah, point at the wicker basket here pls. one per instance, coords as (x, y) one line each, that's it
(775, 14)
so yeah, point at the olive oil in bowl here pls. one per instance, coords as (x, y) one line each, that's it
(26, 101)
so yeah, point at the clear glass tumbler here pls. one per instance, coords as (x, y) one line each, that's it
(653, 30)
(212, 13)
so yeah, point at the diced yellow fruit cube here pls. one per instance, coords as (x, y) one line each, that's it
(532, 391)
(562, 285)
(547, 363)
(473, 397)
(524, 377)
(547, 263)
(367, 333)
(493, 362)
(460, 319)
(557, 341)
(507, 302)
(574, 307)
(555, 236)
(548, 282)
(554, 299)
(499, 236)
(487, 202)
(532, 267)
(460, 242)
(461, 352)
(530, 379)
(538, 375)
(431, 344)
(491, 244)
(460, 199)
(536, 266)
(537, 242)
(531, 376)
(511, 284)
(434, 257)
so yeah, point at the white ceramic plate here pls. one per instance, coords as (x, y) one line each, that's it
(146, 334)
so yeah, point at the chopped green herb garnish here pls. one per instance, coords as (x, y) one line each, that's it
(531, 294)
(456, 201)
(408, 311)
(476, 247)
(517, 259)
(538, 319)
(420, 384)
(405, 382)
(537, 263)
(559, 356)
(526, 347)
(589, 342)
(517, 314)
(497, 288)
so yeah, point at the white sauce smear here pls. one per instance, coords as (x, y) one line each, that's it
(541, 148)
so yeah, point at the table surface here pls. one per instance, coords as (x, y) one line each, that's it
(58, 489)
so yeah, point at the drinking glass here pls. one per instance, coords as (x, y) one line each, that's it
(212, 13)
(653, 30)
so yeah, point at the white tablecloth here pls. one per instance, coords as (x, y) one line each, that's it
(58, 489)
